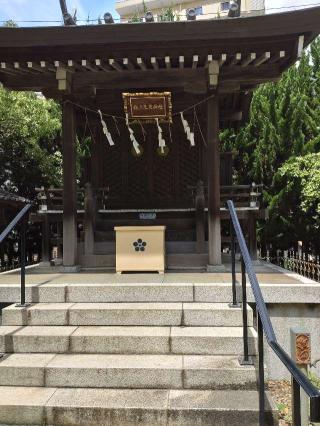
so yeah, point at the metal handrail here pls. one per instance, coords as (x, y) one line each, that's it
(264, 322)
(14, 222)
(20, 217)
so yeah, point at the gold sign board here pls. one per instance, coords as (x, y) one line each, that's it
(148, 106)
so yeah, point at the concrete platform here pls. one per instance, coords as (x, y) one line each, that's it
(106, 287)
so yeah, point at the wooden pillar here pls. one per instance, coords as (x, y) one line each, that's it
(89, 219)
(252, 234)
(200, 217)
(69, 186)
(45, 240)
(213, 173)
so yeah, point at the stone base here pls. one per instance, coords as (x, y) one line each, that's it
(44, 264)
(57, 262)
(216, 268)
(69, 269)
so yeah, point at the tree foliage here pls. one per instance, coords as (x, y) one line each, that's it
(282, 136)
(29, 142)
(295, 205)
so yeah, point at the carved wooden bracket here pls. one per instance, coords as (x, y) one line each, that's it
(303, 348)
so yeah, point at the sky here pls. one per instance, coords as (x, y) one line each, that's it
(49, 10)
(39, 10)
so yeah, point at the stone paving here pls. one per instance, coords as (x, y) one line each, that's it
(266, 275)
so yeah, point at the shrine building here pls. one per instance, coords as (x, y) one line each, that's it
(147, 102)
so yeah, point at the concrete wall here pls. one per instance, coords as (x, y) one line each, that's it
(286, 316)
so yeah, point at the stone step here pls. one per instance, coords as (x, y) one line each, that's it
(125, 340)
(134, 314)
(129, 407)
(130, 292)
(123, 288)
(126, 371)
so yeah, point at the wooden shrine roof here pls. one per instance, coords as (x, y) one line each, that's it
(164, 55)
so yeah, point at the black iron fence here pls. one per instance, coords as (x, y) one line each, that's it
(304, 264)
(10, 249)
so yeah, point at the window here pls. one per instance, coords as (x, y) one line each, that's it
(225, 6)
(198, 10)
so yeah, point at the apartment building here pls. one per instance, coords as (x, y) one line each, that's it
(204, 9)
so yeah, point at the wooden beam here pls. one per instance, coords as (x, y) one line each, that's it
(262, 59)
(87, 65)
(154, 63)
(226, 87)
(7, 69)
(208, 60)
(69, 185)
(59, 64)
(128, 64)
(222, 59)
(34, 66)
(46, 66)
(213, 72)
(195, 60)
(250, 74)
(300, 46)
(231, 115)
(213, 170)
(141, 64)
(251, 57)
(72, 66)
(64, 78)
(135, 79)
(100, 66)
(17, 67)
(114, 64)
(277, 57)
(236, 59)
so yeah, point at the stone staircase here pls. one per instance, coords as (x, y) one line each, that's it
(147, 354)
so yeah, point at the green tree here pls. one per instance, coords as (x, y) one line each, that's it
(10, 23)
(284, 123)
(29, 142)
(295, 207)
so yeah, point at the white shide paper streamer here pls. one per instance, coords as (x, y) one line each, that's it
(105, 129)
(162, 142)
(190, 135)
(135, 143)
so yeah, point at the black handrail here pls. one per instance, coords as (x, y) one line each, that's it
(265, 325)
(20, 217)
